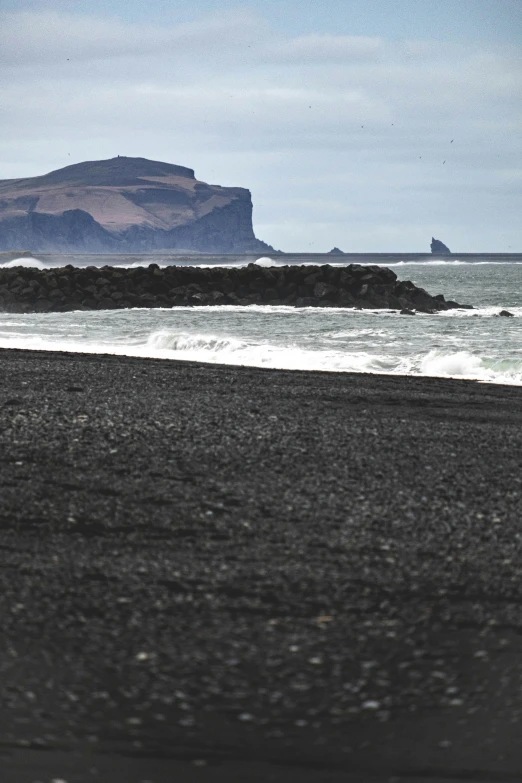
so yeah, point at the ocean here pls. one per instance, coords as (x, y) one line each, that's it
(474, 344)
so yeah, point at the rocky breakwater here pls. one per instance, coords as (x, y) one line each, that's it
(24, 290)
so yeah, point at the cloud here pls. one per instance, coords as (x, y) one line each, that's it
(43, 36)
(48, 36)
(327, 48)
(326, 130)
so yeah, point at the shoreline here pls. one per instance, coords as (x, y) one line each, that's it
(56, 354)
(269, 571)
(222, 365)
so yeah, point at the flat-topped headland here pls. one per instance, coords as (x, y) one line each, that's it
(237, 574)
(125, 205)
(92, 288)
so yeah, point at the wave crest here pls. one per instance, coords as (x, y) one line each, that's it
(28, 263)
(463, 364)
(184, 342)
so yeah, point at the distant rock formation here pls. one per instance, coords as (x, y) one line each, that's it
(25, 290)
(335, 252)
(439, 247)
(125, 205)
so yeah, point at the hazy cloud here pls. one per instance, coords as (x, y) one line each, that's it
(328, 48)
(51, 36)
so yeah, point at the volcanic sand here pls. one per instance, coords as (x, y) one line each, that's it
(229, 574)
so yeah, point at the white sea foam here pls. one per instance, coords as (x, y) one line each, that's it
(194, 343)
(479, 312)
(222, 349)
(162, 264)
(226, 350)
(27, 262)
(463, 364)
(265, 262)
(441, 262)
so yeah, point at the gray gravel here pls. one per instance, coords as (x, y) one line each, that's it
(309, 576)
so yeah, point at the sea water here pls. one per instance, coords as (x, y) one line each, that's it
(474, 344)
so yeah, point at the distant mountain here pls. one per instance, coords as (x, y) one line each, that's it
(125, 205)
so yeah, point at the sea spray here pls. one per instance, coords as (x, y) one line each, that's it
(25, 263)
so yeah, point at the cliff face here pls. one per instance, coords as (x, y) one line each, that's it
(125, 205)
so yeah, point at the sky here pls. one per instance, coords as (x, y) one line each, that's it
(370, 125)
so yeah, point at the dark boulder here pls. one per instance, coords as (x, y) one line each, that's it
(313, 278)
(217, 297)
(325, 291)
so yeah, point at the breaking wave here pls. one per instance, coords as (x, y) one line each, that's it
(221, 349)
(27, 262)
(266, 262)
(180, 342)
(226, 350)
(463, 364)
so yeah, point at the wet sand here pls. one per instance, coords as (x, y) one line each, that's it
(228, 574)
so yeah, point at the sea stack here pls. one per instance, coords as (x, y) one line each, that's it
(439, 248)
(125, 205)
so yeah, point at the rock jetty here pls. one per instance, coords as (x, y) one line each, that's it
(24, 290)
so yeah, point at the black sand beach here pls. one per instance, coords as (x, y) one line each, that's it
(231, 574)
